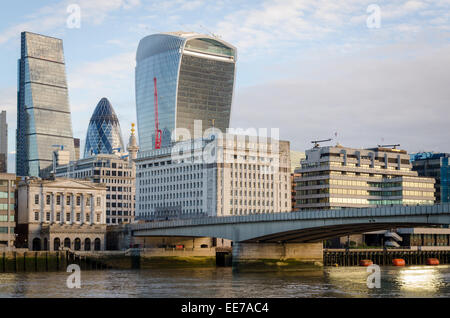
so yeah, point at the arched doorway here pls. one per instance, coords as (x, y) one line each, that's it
(77, 244)
(56, 244)
(97, 244)
(67, 242)
(45, 244)
(87, 244)
(37, 244)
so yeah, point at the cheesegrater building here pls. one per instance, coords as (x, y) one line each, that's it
(43, 112)
(195, 77)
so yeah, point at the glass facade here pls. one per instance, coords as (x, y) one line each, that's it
(43, 112)
(195, 76)
(436, 165)
(104, 134)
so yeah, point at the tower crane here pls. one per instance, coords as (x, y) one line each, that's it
(158, 132)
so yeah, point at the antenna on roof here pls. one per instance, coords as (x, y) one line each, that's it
(390, 146)
(210, 33)
(316, 142)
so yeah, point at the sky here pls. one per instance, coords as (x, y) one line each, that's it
(361, 72)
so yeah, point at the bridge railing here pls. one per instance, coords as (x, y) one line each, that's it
(303, 215)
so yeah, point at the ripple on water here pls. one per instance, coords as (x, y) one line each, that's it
(413, 281)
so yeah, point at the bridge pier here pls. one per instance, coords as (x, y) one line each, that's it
(277, 256)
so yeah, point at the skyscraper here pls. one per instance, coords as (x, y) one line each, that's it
(3, 142)
(103, 135)
(43, 112)
(194, 75)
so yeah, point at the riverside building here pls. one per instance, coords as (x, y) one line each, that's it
(61, 213)
(7, 209)
(195, 75)
(435, 165)
(233, 175)
(339, 177)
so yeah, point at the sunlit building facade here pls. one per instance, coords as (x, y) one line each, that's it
(43, 112)
(104, 135)
(435, 165)
(244, 176)
(195, 76)
(340, 177)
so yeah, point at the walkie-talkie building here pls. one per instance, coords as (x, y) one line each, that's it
(195, 76)
(43, 113)
(103, 135)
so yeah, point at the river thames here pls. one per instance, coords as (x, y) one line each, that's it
(412, 281)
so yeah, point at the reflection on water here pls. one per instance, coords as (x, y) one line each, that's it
(414, 281)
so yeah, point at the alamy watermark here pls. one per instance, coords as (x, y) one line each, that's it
(374, 19)
(74, 19)
(237, 145)
(74, 279)
(374, 279)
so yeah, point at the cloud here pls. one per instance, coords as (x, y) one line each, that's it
(364, 98)
(55, 17)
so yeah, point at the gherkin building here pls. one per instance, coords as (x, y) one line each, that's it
(103, 135)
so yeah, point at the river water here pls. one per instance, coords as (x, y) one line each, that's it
(412, 281)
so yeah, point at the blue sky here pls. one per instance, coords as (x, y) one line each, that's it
(308, 67)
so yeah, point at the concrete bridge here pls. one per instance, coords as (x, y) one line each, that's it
(296, 235)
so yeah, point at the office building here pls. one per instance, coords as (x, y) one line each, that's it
(242, 176)
(103, 134)
(296, 158)
(340, 177)
(76, 145)
(117, 172)
(43, 112)
(3, 143)
(7, 209)
(435, 165)
(194, 75)
(58, 213)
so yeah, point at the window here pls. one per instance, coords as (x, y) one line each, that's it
(58, 200)
(78, 217)
(58, 217)
(98, 218)
(78, 200)
(48, 199)
(48, 216)
(88, 201)
(67, 217)
(36, 199)
(99, 201)
(36, 216)
(68, 200)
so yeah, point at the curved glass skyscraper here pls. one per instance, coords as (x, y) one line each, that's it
(195, 81)
(103, 135)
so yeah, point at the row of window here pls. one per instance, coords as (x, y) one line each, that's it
(68, 217)
(48, 200)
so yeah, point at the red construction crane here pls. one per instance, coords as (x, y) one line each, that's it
(158, 132)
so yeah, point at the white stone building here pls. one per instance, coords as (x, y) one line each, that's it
(233, 175)
(60, 213)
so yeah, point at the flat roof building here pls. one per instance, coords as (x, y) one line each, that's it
(339, 177)
(3, 143)
(435, 165)
(7, 209)
(58, 213)
(233, 175)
